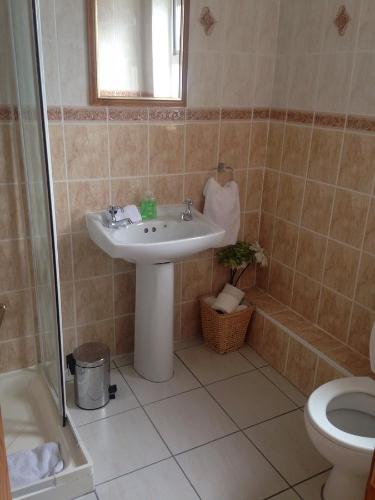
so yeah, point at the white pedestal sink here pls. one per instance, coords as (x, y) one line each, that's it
(153, 246)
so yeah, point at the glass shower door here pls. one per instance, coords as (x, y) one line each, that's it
(32, 115)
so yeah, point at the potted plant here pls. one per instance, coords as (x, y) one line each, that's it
(225, 332)
(239, 257)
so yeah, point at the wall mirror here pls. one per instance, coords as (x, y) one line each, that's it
(138, 51)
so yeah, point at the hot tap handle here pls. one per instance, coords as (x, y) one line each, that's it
(113, 209)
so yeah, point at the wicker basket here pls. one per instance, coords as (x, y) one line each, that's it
(224, 332)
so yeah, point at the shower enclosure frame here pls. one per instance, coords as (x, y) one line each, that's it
(51, 202)
(58, 393)
(33, 398)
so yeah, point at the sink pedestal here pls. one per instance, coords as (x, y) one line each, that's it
(153, 349)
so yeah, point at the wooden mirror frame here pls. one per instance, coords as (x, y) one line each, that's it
(141, 102)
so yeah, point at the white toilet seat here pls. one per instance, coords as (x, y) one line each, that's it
(319, 400)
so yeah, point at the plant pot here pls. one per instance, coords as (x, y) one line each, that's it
(224, 332)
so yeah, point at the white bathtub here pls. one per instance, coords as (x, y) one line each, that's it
(31, 418)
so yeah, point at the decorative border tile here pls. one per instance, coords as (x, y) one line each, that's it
(166, 114)
(6, 114)
(28, 113)
(361, 123)
(278, 115)
(85, 114)
(202, 114)
(128, 115)
(236, 114)
(329, 120)
(123, 114)
(54, 113)
(261, 113)
(296, 116)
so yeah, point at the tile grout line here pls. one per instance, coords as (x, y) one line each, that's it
(281, 390)
(273, 497)
(321, 235)
(305, 177)
(314, 180)
(240, 430)
(293, 410)
(284, 127)
(253, 369)
(63, 125)
(109, 156)
(163, 441)
(357, 274)
(333, 290)
(257, 367)
(312, 348)
(313, 476)
(107, 481)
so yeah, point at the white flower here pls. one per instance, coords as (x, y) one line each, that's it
(260, 256)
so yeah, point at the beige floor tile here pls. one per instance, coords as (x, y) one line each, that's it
(250, 398)
(122, 444)
(148, 392)
(287, 495)
(310, 489)
(123, 360)
(230, 468)
(284, 385)
(188, 420)
(208, 366)
(284, 441)
(161, 481)
(252, 356)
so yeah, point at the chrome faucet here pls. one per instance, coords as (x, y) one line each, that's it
(109, 218)
(187, 215)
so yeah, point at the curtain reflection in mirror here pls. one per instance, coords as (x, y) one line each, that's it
(138, 45)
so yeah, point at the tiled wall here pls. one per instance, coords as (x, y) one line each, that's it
(114, 160)
(318, 207)
(17, 333)
(103, 156)
(231, 67)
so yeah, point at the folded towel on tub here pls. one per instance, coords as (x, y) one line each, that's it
(28, 466)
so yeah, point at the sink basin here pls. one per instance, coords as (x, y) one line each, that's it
(154, 245)
(159, 240)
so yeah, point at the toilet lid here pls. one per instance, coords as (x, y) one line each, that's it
(320, 400)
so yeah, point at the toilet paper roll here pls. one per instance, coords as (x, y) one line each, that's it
(209, 300)
(234, 291)
(225, 303)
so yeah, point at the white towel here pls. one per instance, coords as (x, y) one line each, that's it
(29, 466)
(132, 212)
(129, 212)
(222, 206)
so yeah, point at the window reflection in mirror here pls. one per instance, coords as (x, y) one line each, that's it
(138, 51)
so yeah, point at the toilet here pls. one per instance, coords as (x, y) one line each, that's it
(340, 420)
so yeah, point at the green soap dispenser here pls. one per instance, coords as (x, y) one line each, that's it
(148, 206)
